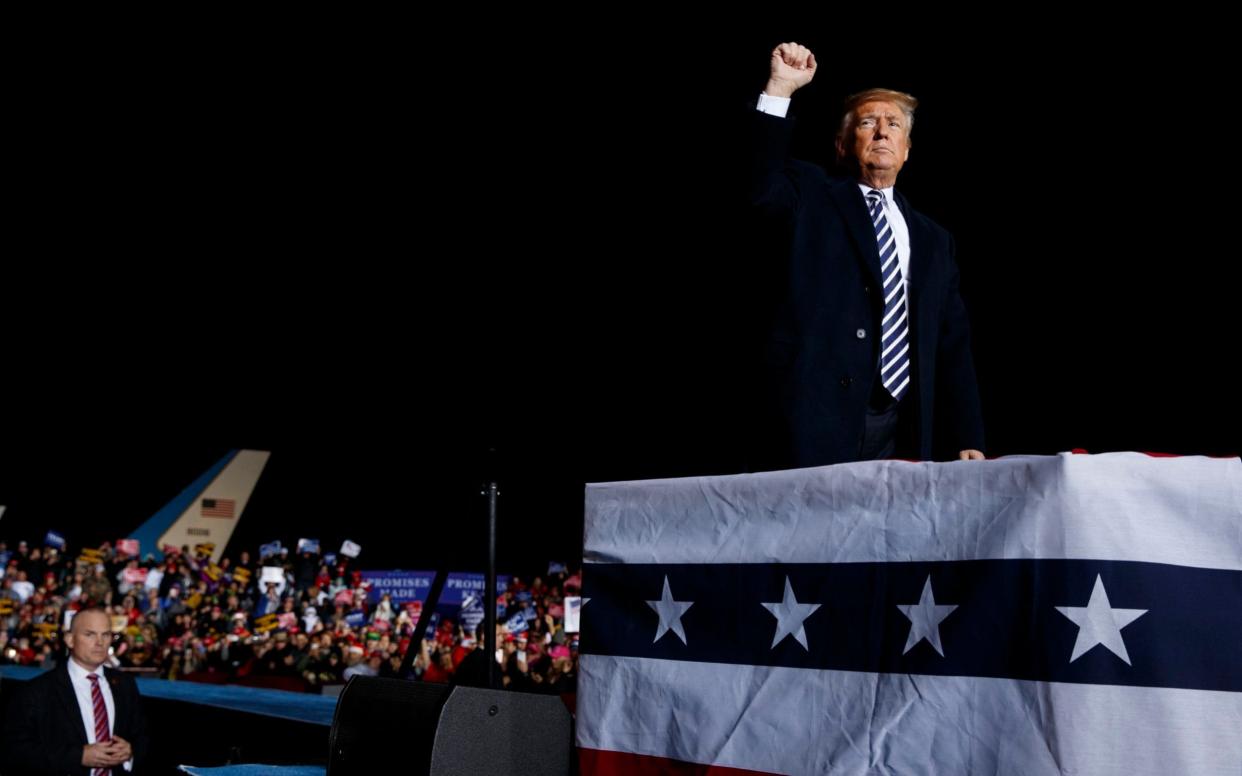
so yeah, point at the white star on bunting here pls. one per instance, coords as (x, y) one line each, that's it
(789, 616)
(1099, 623)
(925, 619)
(670, 613)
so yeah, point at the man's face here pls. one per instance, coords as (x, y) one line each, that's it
(881, 139)
(88, 639)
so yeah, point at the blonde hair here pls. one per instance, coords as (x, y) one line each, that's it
(907, 103)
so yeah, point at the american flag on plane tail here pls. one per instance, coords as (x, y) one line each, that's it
(219, 507)
(1024, 615)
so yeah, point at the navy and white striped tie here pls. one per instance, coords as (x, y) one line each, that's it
(895, 328)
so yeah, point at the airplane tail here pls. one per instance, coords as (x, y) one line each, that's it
(207, 511)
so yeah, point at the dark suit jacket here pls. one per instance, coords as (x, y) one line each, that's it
(822, 351)
(44, 733)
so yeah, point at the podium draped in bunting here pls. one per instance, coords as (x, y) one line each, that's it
(1030, 614)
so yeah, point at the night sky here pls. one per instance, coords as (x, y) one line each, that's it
(384, 260)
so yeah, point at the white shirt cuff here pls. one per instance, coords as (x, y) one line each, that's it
(776, 106)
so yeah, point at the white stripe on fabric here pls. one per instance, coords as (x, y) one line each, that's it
(802, 721)
(1117, 506)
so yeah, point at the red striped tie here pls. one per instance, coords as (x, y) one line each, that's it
(102, 734)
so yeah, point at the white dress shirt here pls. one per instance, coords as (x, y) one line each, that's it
(86, 705)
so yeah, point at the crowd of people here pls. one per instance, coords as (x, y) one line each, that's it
(186, 617)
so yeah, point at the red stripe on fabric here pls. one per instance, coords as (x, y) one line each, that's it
(598, 762)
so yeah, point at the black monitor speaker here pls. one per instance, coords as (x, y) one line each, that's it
(402, 727)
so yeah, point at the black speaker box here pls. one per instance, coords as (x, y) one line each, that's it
(398, 727)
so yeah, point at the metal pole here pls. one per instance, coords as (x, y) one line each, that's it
(489, 592)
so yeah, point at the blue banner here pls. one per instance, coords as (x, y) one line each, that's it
(516, 624)
(462, 584)
(461, 600)
(402, 586)
(54, 539)
(406, 586)
(271, 548)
